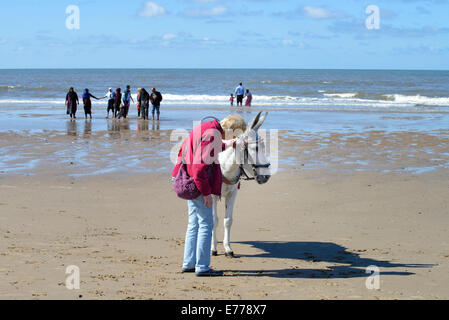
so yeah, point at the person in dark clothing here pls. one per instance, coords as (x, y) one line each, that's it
(138, 102)
(127, 98)
(88, 103)
(156, 98)
(144, 102)
(71, 100)
(117, 101)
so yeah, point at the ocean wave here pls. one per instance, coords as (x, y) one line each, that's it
(294, 82)
(341, 95)
(22, 88)
(9, 87)
(343, 99)
(394, 99)
(419, 100)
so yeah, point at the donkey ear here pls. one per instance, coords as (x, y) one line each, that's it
(254, 122)
(260, 122)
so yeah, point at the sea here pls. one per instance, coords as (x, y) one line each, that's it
(350, 90)
(300, 103)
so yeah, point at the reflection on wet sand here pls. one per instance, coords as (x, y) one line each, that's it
(72, 129)
(143, 129)
(87, 128)
(115, 126)
(142, 125)
(157, 126)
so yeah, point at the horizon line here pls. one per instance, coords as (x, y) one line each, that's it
(218, 68)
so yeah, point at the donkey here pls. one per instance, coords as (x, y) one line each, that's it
(248, 162)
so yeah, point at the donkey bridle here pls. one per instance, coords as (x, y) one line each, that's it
(245, 160)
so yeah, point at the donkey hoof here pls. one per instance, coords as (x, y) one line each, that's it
(214, 253)
(230, 254)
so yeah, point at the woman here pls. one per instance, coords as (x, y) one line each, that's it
(117, 101)
(88, 103)
(144, 102)
(127, 98)
(138, 102)
(197, 152)
(249, 98)
(71, 99)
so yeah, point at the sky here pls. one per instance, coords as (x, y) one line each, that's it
(325, 34)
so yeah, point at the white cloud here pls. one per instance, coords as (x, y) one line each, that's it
(204, 13)
(317, 12)
(169, 36)
(292, 43)
(152, 9)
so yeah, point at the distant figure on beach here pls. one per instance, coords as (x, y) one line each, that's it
(144, 102)
(156, 99)
(71, 99)
(127, 98)
(138, 102)
(110, 95)
(117, 101)
(231, 100)
(88, 103)
(240, 92)
(249, 98)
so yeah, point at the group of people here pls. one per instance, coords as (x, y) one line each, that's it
(118, 102)
(240, 93)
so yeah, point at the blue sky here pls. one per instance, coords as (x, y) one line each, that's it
(225, 34)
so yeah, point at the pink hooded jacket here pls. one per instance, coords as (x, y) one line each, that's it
(200, 152)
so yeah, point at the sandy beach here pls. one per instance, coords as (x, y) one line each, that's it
(339, 203)
(350, 103)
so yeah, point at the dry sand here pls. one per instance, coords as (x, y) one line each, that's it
(340, 203)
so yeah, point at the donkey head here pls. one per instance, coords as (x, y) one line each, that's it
(251, 151)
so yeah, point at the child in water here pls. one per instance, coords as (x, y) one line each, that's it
(231, 100)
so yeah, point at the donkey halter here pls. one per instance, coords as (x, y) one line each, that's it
(254, 167)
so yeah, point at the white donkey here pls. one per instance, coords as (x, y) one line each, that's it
(247, 161)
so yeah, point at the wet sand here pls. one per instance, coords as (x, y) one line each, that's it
(340, 202)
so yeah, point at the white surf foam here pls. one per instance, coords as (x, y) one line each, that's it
(343, 100)
(418, 100)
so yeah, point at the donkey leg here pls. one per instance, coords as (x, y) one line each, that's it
(228, 223)
(214, 230)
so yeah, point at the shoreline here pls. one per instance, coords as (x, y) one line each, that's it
(81, 151)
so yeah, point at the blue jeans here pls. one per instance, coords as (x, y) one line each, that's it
(198, 236)
(157, 109)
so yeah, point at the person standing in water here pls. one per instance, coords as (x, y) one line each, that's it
(138, 102)
(127, 98)
(144, 101)
(88, 103)
(231, 100)
(156, 99)
(71, 99)
(110, 96)
(117, 101)
(240, 92)
(249, 98)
